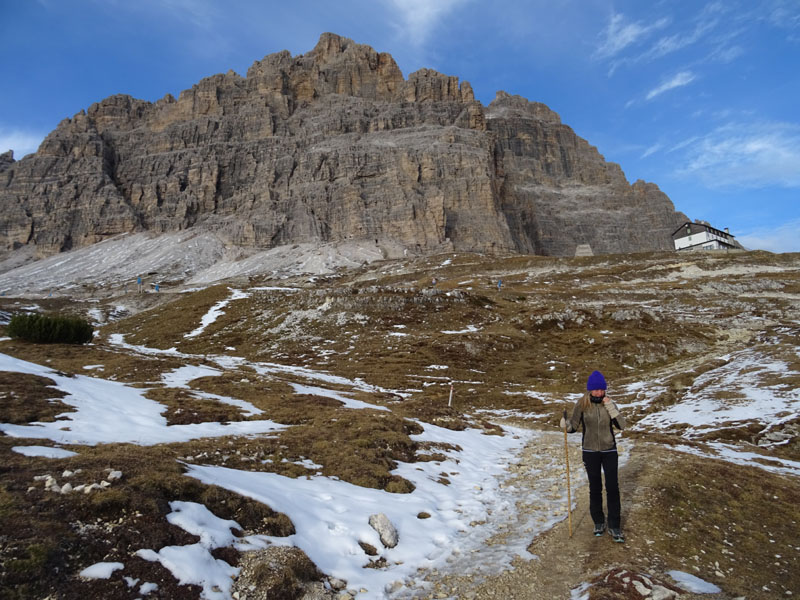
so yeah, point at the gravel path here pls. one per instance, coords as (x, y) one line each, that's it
(560, 564)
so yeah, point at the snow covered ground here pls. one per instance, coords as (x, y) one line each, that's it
(331, 516)
(192, 257)
(107, 412)
(732, 393)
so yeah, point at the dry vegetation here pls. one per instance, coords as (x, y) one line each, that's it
(636, 318)
(732, 526)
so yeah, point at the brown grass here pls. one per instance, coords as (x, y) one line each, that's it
(550, 311)
(738, 518)
(27, 398)
(115, 364)
(55, 533)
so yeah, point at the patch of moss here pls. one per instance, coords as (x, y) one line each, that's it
(32, 560)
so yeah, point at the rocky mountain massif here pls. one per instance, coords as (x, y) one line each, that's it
(330, 146)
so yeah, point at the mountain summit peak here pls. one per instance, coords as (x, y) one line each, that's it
(334, 145)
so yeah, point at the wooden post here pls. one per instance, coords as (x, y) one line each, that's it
(450, 401)
(569, 494)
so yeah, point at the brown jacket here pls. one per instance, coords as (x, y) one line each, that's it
(598, 422)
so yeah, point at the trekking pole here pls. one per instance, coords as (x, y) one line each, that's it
(569, 494)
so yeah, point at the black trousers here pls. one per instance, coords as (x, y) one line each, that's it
(608, 463)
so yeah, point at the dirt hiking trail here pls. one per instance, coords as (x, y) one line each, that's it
(562, 563)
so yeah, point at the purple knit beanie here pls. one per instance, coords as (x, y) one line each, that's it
(596, 381)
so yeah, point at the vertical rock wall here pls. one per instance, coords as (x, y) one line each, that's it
(328, 146)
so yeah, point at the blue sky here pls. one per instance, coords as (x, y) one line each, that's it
(700, 97)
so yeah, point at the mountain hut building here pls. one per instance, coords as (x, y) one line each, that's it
(700, 235)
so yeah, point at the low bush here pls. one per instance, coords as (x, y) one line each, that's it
(47, 329)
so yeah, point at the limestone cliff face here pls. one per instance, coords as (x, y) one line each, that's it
(328, 146)
(559, 192)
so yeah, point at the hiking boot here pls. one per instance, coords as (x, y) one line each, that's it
(599, 529)
(616, 535)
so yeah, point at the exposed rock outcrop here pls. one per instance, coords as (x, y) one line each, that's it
(6, 160)
(329, 146)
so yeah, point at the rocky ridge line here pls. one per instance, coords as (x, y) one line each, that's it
(330, 146)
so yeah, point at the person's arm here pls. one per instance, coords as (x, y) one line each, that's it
(572, 423)
(616, 417)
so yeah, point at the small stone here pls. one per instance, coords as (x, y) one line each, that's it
(393, 587)
(66, 488)
(641, 588)
(114, 475)
(337, 584)
(387, 532)
(662, 593)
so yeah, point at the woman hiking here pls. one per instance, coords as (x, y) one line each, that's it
(599, 415)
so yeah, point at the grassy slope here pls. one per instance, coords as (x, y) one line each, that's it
(635, 318)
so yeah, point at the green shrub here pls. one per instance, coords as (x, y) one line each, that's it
(55, 329)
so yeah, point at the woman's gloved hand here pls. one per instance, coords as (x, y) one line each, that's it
(613, 412)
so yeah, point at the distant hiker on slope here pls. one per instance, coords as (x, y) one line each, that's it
(599, 415)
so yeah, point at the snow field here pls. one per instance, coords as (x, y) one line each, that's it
(330, 516)
(215, 312)
(732, 393)
(108, 412)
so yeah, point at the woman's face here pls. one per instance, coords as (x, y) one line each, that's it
(597, 393)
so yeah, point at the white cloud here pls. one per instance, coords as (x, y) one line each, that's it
(747, 155)
(678, 80)
(784, 14)
(420, 17)
(651, 150)
(202, 26)
(716, 27)
(21, 142)
(620, 33)
(783, 238)
(200, 14)
(673, 43)
(727, 54)
(684, 143)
